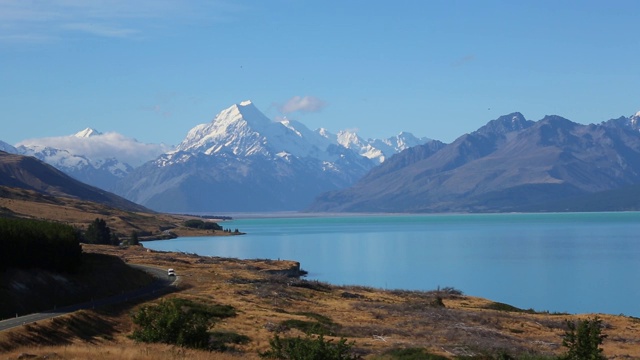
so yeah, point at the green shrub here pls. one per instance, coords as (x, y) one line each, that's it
(99, 233)
(199, 224)
(309, 348)
(321, 326)
(583, 340)
(180, 322)
(412, 354)
(508, 308)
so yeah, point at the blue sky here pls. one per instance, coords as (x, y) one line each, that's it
(154, 69)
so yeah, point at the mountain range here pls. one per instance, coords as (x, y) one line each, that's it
(510, 164)
(243, 161)
(240, 161)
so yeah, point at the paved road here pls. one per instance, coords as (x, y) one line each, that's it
(158, 287)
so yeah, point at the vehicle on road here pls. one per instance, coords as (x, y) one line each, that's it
(171, 272)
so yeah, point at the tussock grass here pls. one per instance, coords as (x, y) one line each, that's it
(125, 351)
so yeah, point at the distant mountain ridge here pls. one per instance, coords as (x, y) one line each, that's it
(509, 164)
(631, 122)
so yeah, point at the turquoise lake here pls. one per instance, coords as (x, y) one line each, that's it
(568, 262)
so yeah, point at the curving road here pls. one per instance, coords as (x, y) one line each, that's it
(158, 287)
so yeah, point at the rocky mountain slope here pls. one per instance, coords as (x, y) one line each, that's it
(508, 164)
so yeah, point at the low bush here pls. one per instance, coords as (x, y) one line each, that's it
(321, 326)
(204, 225)
(508, 308)
(182, 322)
(412, 354)
(309, 348)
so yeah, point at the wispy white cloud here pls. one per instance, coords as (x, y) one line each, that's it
(54, 19)
(303, 104)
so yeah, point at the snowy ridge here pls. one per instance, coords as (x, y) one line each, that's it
(58, 158)
(374, 149)
(242, 130)
(92, 146)
(632, 122)
(90, 156)
(88, 132)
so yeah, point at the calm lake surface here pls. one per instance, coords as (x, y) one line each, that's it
(576, 263)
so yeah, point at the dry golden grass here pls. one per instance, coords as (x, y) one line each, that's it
(377, 320)
(123, 351)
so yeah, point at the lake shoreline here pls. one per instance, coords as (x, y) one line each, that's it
(493, 256)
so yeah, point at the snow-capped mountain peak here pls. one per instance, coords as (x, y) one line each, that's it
(88, 132)
(238, 130)
(349, 139)
(243, 130)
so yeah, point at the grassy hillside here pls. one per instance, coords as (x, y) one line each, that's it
(23, 203)
(442, 322)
